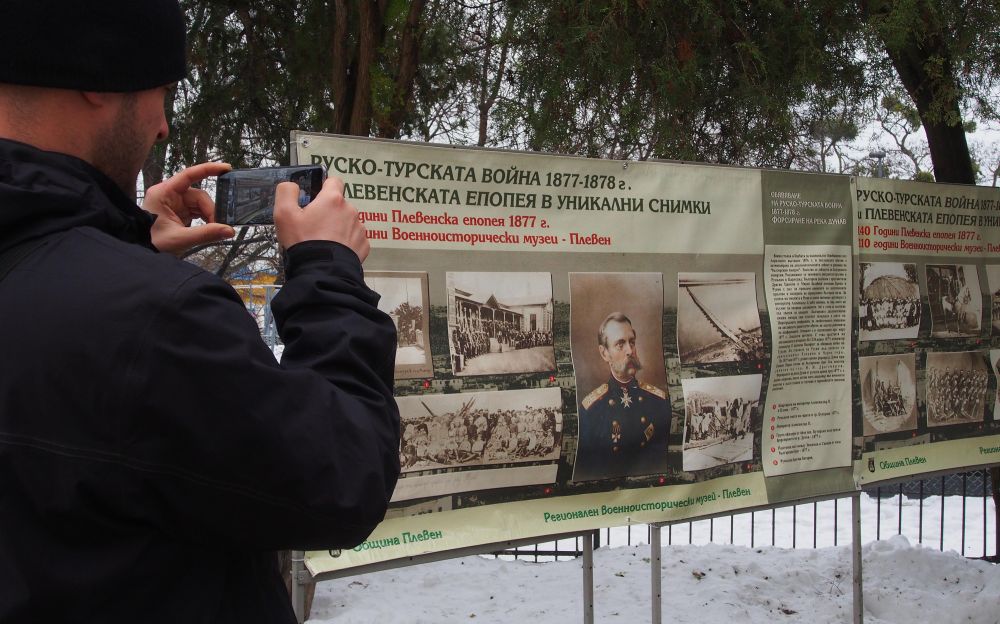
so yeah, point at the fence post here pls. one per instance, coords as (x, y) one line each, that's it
(995, 487)
(655, 554)
(588, 577)
(298, 591)
(859, 598)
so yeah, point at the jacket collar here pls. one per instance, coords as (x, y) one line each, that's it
(43, 193)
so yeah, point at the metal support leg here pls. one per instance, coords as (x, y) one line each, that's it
(298, 590)
(588, 579)
(859, 599)
(655, 552)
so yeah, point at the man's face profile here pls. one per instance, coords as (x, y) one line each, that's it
(619, 351)
(122, 148)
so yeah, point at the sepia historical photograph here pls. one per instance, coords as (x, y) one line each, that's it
(616, 335)
(500, 323)
(956, 388)
(404, 298)
(888, 393)
(719, 416)
(955, 300)
(717, 318)
(995, 365)
(993, 283)
(888, 301)
(478, 440)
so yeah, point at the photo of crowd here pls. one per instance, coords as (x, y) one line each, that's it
(889, 301)
(500, 323)
(955, 300)
(956, 388)
(888, 393)
(480, 429)
(719, 416)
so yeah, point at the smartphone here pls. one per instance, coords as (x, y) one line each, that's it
(246, 196)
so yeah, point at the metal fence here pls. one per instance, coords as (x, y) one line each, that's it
(953, 512)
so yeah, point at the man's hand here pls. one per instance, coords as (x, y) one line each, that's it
(328, 217)
(175, 203)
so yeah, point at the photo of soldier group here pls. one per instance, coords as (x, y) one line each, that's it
(717, 318)
(955, 300)
(719, 414)
(993, 282)
(404, 298)
(616, 337)
(889, 301)
(888, 393)
(500, 323)
(956, 388)
(480, 428)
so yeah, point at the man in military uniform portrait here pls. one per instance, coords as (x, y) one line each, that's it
(624, 423)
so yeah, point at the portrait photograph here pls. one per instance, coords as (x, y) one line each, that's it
(888, 393)
(993, 283)
(956, 388)
(404, 298)
(616, 337)
(717, 318)
(955, 300)
(478, 440)
(719, 417)
(888, 301)
(500, 323)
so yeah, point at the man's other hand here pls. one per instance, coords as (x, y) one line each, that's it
(328, 217)
(175, 202)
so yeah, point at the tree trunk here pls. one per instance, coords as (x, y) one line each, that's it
(409, 59)
(341, 77)
(489, 92)
(926, 68)
(946, 139)
(369, 25)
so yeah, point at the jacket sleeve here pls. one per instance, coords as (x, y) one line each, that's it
(227, 447)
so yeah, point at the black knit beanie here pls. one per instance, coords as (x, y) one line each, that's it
(104, 45)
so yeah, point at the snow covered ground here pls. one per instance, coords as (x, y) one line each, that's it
(713, 582)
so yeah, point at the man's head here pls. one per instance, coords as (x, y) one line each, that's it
(616, 344)
(89, 78)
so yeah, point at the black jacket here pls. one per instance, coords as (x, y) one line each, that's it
(152, 451)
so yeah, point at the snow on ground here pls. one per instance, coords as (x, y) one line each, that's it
(709, 582)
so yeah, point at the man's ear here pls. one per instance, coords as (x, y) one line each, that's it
(99, 99)
(604, 353)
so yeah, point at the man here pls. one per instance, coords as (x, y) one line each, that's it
(624, 423)
(152, 452)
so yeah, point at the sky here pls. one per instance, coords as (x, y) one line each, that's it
(709, 582)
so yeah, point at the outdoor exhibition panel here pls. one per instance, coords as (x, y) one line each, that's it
(587, 343)
(928, 325)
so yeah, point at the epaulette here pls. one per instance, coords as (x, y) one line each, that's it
(598, 392)
(653, 390)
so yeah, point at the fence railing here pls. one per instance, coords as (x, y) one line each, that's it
(953, 512)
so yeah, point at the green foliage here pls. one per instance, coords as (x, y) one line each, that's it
(691, 79)
(767, 83)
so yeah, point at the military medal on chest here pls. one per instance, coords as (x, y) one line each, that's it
(626, 398)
